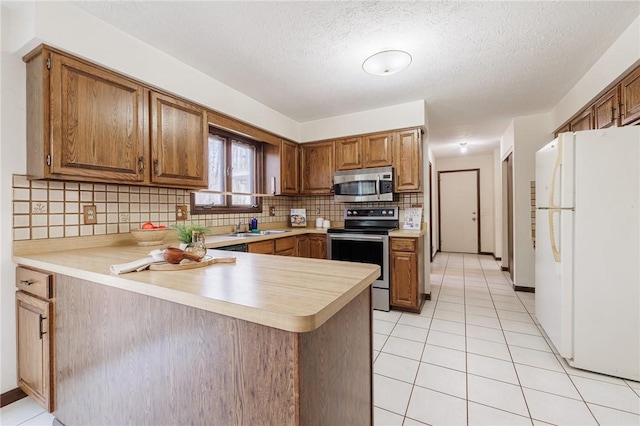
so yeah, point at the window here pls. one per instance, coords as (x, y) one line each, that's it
(234, 170)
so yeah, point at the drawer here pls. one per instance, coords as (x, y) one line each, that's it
(283, 244)
(263, 247)
(34, 282)
(403, 244)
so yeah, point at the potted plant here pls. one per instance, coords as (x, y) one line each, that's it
(185, 231)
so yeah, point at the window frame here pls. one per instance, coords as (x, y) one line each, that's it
(229, 137)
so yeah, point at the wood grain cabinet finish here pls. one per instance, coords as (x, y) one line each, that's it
(179, 140)
(262, 247)
(407, 160)
(285, 246)
(34, 334)
(630, 97)
(349, 153)
(317, 164)
(282, 167)
(302, 246)
(407, 276)
(317, 246)
(584, 121)
(605, 110)
(378, 150)
(83, 122)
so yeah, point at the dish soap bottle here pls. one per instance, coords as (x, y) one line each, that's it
(253, 226)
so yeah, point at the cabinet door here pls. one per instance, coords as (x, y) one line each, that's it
(605, 110)
(317, 246)
(408, 161)
(630, 94)
(33, 319)
(317, 164)
(563, 129)
(378, 150)
(97, 123)
(285, 246)
(263, 247)
(302, 243)
(179, 141)
(584, 121)
(289, 167)
(349, 153)
(404, 279)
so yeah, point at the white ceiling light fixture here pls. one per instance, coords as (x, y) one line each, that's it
(463, 147)
(387, 62)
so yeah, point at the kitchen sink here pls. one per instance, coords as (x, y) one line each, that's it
(256, 234)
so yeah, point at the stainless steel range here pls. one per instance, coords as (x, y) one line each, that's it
(365, 238)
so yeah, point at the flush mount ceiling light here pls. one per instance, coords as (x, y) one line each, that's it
(463, 147)
(386, 62)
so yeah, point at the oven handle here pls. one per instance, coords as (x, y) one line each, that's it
(358, 237)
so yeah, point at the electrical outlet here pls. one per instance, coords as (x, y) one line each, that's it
(317, 210)
(181, 212)
(90, 215)
(272, 210)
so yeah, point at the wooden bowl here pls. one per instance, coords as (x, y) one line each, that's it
(150, 237)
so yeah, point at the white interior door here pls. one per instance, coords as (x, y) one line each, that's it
(459, 215)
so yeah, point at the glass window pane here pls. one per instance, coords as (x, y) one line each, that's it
(216, 173)
(243, 159)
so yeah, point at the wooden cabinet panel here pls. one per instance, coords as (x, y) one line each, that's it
(583, 121)
(563, 129)
(630, 96)
(406, 273)
(404, 276)
(378, 150)
(349, 153)
(34, 335)
(285, 246)
(290, 167)
(317, 168)
(318, 246)
(407, 161)
(263, 247)
(281, 168)
(179, 140)
(97, 123)
(605, 110)
(302, 249)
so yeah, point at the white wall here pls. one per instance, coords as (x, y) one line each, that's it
(411, 114)
(497, 204)
(485, 164)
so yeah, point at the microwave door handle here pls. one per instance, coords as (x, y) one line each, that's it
(378, 186)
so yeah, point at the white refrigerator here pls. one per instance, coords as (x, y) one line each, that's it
(587, 256)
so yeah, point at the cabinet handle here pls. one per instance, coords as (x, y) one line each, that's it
(26, 282)
(613, 116)
(141, 163)
(620, 105)
(156, 167)
(42, 333)
(273, 185)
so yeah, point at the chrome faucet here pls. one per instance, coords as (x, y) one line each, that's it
(238, 226)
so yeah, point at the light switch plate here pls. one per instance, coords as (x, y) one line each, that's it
(90, 215)
(181, 212)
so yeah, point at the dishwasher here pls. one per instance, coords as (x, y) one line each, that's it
(233, 247)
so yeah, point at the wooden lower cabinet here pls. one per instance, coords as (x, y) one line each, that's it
(407, 273)
(34, 334)
(302, 244)
(318, 246)
(262, 247)
(285, 246)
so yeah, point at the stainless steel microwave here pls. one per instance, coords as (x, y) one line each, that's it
(364, 185)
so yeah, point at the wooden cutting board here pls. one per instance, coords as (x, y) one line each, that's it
(187, 264)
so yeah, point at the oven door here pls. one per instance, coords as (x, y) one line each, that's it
(354, 247)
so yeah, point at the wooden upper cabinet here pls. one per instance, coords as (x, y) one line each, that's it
(605, 110)
(290, 168)
(563, 129)
(584, 121)
(378, 150)
(317, 167)
(407, 160)
(96, 119)
(630, 97)
(179, 141)
(349, 153)
(281, 168)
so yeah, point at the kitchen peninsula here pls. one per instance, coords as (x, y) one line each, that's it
(267, 340)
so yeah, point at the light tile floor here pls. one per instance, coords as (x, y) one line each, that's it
(476, 356)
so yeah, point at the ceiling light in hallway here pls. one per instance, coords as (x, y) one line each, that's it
(387, 62)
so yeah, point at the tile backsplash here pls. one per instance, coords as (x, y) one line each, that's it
(54, 209)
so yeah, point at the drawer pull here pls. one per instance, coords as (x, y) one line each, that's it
(26, 282)
(42, 333)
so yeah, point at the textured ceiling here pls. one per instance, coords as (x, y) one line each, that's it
(476, 64)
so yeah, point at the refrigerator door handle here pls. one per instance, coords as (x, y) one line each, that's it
(552, 235)
(554, 174)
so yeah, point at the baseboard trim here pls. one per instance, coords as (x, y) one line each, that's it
(524, 289)
(11, 396)
(497, 259)
(427, 296)
(486, 253)
(504, 268)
